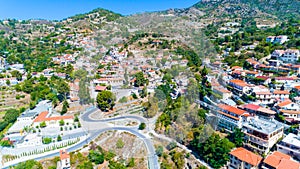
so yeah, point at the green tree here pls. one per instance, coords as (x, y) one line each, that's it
(7, 82)
(213, 150)
(123, 99)
(131, 163)
(106, 100)
(59, 138)
(142, 126)
(29, 164)
(140, 80)
(159, 151)
(47, 140)
(96, 157)
(144, 92)
(116, 165)
(151, 107)
(65, 107)
(84, 94)
(61, 122)
(43, 124)
(16, 74)
(237, 137)
(62, 88)
(120, 143)
(178, 159)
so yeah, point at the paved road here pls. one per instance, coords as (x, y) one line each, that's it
(153, 162)
(86, 117)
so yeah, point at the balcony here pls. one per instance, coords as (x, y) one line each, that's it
(288, 147)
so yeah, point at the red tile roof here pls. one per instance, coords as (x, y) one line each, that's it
(236, 67)
(284, 103)
(239, 82)
(281, 92)
(231, 109)
(251, 106)
(263, 77)
(289, 111)
(246, 156)
(100, 88)
(279, 160)
(43, 117)
(263, 93)
(284, 78)
(63, 154)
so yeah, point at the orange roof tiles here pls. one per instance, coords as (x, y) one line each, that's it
(228, 115)
(100, 88)
(290, 111)
(236, 67)
(284, 103)
(279, 160)
(281, 92)
(252, 61)
(43, 117)
(246, 156)
(263, 93)
(239, 82)
(231, 109)
(63, 154)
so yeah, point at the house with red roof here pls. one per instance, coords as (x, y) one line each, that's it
(51, 120)
(230, 117)
(281, 94)
(64, 162)
(99, 88)
(239, 86)
(224, 93)
(287, 105)
(258, 110)
(253, 62)
(241, 158)
(279, 160)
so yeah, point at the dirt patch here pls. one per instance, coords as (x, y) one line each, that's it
(125, 146)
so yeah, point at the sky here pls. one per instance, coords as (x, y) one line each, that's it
(60, 9)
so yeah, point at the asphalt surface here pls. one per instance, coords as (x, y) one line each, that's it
(153, 162)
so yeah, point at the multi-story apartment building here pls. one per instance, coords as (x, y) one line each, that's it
(238, 86)
(240, 158)
(261, 134)
(290, 56)
(290, 145)
(255, 110)
(230, 117)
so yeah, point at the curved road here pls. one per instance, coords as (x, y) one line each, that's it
(153, 162)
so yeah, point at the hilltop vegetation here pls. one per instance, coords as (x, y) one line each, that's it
(281, 9)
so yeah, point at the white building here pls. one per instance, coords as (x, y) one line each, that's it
(290, 145)
(240, 158)
(30, 140)
(64, 162)
(230, 117)
(290, 56)
(261, 134)
(280, 39)
(51, 120)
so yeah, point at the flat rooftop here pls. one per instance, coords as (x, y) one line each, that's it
(292, 139)
(263, 125)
